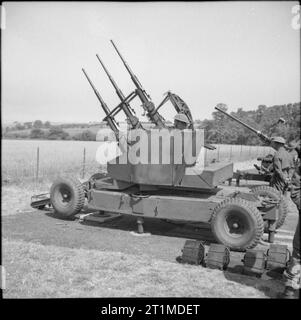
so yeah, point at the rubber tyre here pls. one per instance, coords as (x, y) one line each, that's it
(274, 194)
(239, 212)
(67, 197)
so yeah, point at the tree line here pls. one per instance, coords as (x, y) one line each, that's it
(39, 130)
(220, 129)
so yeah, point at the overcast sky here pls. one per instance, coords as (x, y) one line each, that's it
(242, 54)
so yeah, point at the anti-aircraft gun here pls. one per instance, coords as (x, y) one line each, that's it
(262, 173)
(151, 112)
(176, 189)
(265, 170)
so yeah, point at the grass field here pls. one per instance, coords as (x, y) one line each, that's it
(52, 272)
(19, 159)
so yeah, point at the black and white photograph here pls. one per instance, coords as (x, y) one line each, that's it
(150, 150)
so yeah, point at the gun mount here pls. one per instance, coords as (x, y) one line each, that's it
(173, 190)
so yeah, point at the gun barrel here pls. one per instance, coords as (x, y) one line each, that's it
(144, 97)
(103, 104)
(236, 119)
(118, 91)
(135, 123)
(134, 78)
(110, 120)
(259, 133)
(147, 104)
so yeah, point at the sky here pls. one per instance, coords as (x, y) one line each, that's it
(243, 54)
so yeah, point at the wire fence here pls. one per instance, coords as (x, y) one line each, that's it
(236, 153)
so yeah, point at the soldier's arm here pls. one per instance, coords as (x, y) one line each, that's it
(295, 188)
(278, 168)
(291, 171)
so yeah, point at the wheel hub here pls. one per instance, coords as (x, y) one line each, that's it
(65, 194)
(235, 225)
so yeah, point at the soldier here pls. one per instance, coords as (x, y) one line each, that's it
(291, 148)
(181, 121)
(292, 273)
(266, 166)
(281, 165)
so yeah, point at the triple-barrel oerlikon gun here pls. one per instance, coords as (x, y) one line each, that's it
(152, 113)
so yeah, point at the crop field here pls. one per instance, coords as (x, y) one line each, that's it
(20, 159)
(32, 160)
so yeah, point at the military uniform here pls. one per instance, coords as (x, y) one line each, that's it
(292, 273)
(294, 157)
(281, 167)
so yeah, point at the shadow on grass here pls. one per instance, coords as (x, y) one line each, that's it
(53, 214)
(270, 284)
(160, 227)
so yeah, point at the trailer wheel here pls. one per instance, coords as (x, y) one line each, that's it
(67, 197)
(237, 224)
(267, 191)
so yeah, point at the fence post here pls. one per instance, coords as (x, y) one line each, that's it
(84, 164)
(230, 152)
(240, 151)
(38, 163)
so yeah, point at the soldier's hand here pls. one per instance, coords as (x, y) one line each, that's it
(287, 183)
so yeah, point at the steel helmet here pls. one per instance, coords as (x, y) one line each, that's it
(182, 117)
(292, 144)
(278, 140)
